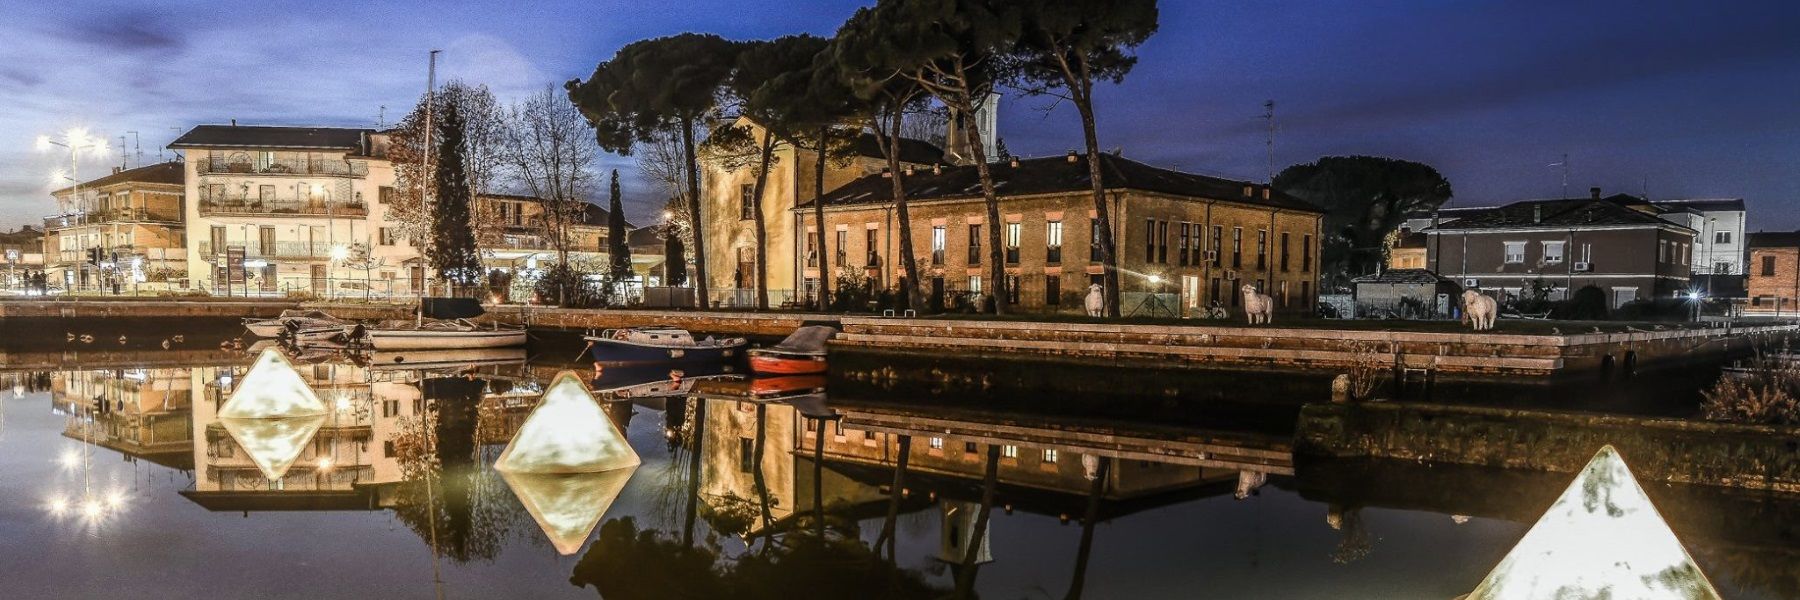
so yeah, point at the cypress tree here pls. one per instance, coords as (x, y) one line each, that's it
(617, 248)
(452, 251)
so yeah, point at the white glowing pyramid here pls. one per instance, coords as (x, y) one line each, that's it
(1601, 539)
(272, 390)
(273, 444)
(567, 506)
(567, 433)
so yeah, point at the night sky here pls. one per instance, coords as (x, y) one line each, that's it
(1689, 99)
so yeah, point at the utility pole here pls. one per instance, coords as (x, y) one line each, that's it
(1564, 163)
(430, 106)
(1269, 138)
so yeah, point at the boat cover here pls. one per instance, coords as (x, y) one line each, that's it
(808, 340)
(450, 308)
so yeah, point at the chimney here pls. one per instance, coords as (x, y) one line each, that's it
(1015, 162)
(116, 170)
(1595, 191)
(1073, 157)
(1265, 192)
(1537, 212)
(234, 122)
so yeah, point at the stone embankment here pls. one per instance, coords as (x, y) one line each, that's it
(1658, 449)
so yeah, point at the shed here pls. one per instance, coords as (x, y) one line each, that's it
(1405, 293)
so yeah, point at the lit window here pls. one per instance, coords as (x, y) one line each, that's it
(1009, 451)
(1515, 252)
(1553, 252)
(1049, 455)
(937, 443)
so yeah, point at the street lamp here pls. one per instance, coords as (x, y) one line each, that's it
(76, 141)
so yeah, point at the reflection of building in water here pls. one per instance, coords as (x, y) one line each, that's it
(958, 532)
(728, 476)
(143, 413)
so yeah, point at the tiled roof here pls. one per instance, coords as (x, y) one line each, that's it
(248, 136)
(1713, 204)
(173, 173)
(919, 152)
(1418, 276)
(1054, 175)
(1774, 239)
(1555, 214)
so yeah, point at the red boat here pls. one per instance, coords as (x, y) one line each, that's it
(779, 363)
(763, 387)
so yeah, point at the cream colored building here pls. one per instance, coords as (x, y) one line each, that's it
(133, 219)
(729, 225)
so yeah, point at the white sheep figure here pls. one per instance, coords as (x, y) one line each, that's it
(1480, 310)
(1258, 308)
(1096, 301)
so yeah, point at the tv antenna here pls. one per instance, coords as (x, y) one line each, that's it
(1564, 163)
(1269, 139)
(381, 118)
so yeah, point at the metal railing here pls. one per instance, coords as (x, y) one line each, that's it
(257, 206)
(337, 167)
(114, 215)
(275, 250)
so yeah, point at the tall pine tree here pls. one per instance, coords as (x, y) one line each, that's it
(617, 247)
(452, 251)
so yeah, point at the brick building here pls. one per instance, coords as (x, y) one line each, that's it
(1774, 273)
(1192, 238)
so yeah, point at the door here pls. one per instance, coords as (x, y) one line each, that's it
(265, 239)
(1623, 296)
(319, 284)
(1190, 294)
(269, 277)
(416, 279)
(937, 294)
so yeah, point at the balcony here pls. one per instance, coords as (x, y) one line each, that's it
(282, 250)
(291, 167)
(210, 204)
(115, 215)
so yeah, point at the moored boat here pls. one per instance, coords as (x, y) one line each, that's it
(442, 324)
(293, 319)
(660, 345)
(802, 353)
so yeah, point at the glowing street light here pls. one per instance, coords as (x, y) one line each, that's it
(340, 253)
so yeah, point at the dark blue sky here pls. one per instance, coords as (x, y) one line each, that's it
(1676, 99)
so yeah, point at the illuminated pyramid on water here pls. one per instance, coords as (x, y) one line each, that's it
(568, 463)
(272, 414)
(1601, 539)
(567, 433)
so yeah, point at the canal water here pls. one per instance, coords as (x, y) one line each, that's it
(117, 476)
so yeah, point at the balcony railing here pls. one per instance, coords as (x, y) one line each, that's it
(210, 205)
(304, 250)
(115, 215)
(337, 168)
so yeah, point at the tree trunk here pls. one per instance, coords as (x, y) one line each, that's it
(693, 184)
(996, 255)
(757, 477)
(1109, 257)
(909, 258)
(819, 222)
(1083, 551)
(965, 579)
(761, 224)
(888, 526)
(695, 445)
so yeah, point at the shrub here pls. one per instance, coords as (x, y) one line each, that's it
(1588, 304)
(564, 285)
(1768, 392)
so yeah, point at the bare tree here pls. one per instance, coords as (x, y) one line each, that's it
(484, 133)
(549, 152)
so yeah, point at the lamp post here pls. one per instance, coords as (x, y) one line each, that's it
(76, 141)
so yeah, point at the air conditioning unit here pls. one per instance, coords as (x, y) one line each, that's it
(1231, 274)
(1583, 266)
(1471, 283)
(1212, 255)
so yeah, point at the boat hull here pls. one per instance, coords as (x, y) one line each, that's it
(608, 352)
(266, 328)
(782, 364)
(443, 340)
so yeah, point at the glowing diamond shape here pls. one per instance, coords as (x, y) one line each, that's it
(567, 506)
(1601, 539)
(273, 444)
(272, 390)
(567, 433)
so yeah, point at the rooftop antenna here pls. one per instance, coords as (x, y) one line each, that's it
(1564, 163)
(381, 118)
(137, 147)
(1269, 139)
(159, 151)
(123, 155)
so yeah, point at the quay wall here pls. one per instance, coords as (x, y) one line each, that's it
(1464, 353)
(1757, 457)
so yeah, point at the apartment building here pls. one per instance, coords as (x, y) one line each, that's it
(1774, 277)
(277, 210)
(1613, 243)
(121, 231)
(21, 255)
(1193, 238)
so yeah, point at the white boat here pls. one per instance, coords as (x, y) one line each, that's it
(442, 324)
(294, 320)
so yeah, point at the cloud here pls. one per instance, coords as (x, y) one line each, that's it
(135, 32)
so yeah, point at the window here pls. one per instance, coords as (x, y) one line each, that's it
(1053, 242)
(1515, 252)
(1149, 240)
(1284, 251)
(1012, 289)
(746, 202)
(1181, 246)
(1012, 242)
(1009, 451)
(1306, 254)
(872, 245)
(1682, 254)
(1262, 249)
(264, 160)
(265, 193)
(1306, 291)
(1721, 237)
(843, 248)
(1052, 290)
(975, 245)
(975, 284)
(1237, 247)
(1768, 266)
(1162, 242)
(1662, 251)
(968, 447)
(937, 244)
(386, 236)
(1050, 455)
(385, 194)
(1218, 233)
(1723, 268)
(1094, 240)
(1553, 252)
(746, 455)
(937, 443)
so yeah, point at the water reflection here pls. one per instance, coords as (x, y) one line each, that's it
(771, 488)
